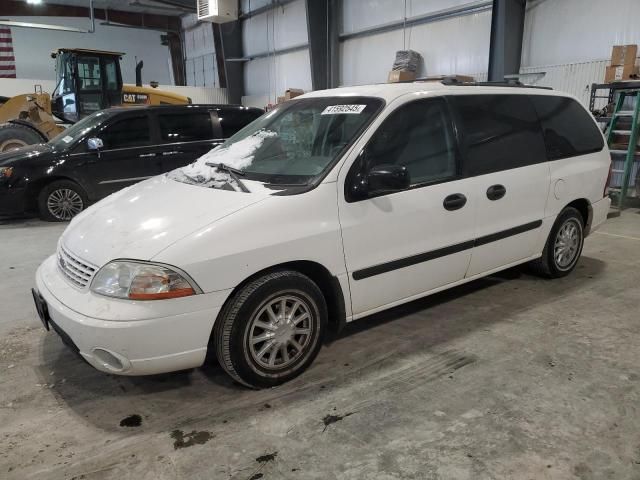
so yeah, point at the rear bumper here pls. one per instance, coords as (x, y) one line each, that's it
(156, 344)
(12, 201)
(600, 210)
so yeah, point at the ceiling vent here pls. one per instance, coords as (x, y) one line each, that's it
(217, 11)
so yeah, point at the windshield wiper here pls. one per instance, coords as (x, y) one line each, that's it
(233, 173)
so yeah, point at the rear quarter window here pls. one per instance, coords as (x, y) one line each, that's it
(568, 128)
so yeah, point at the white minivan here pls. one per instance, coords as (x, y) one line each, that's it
(331, 207)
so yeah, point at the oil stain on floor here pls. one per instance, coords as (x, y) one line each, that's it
(184, 440)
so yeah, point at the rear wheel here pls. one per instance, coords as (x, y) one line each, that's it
(14, 136)
(61, 200)
(271, 330)
(563, 247)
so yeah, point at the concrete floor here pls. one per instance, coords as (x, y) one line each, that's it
(507, 377)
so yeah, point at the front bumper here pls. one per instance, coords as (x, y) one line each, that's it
(130, 337)
(13, 201)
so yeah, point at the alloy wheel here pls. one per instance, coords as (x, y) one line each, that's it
(567, 244)
(280, 331)
(64, 204)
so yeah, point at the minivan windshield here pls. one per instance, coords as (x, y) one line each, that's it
(291, 145)
(67, 138)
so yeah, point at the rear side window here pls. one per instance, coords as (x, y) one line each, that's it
(568, 129)
(233, 121)
(129, 132)
(185, 127)
(499, 132)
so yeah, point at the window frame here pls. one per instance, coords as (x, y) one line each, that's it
(357, 168)
(101, 73)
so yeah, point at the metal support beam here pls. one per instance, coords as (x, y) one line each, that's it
(507, 27)
(174, 42)
(322, 25)
(227, 39)
(270, 53)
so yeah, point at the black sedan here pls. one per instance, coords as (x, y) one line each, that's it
(110, 150)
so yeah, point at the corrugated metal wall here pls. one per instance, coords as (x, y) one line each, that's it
(573, 78)
(277, 29)
(448, 46)
(559, 32)
(206, 95)
(199, 52)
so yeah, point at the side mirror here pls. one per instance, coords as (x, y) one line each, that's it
(387, 178)
(95, 143)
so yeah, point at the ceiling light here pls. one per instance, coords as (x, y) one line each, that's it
(34, 2)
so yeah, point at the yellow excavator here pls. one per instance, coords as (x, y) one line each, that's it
(86, 81)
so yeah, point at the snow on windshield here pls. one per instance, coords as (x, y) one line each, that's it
(237, 155)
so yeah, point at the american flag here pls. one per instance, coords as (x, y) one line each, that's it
(7, 60)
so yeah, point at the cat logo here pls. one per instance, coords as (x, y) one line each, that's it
(135, 98)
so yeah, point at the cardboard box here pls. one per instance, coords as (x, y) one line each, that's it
(396, 76)
(281, 99)
(624, 55)
(620, 73)
(292, 93)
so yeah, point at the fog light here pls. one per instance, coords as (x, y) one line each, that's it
(108, 359)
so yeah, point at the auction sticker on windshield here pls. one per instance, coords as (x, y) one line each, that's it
(339, 109)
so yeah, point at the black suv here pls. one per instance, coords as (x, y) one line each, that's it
(110, 150)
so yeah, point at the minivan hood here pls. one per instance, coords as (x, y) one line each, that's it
(144, 219)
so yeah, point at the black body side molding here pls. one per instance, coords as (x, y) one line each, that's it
(442, 252)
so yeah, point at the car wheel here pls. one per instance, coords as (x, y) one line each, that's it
(271, 329)
(14, 136)
(563, 247)
(61, 200)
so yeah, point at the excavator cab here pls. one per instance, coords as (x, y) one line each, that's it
(86, 81)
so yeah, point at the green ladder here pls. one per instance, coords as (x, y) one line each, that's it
(633, 139)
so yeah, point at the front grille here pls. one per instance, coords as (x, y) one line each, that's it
(78, 272)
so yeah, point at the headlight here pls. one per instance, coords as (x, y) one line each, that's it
(141, 281)
(6, 172)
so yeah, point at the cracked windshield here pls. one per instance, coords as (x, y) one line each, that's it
(290, 146)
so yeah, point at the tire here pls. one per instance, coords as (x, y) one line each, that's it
(549, 265)
(69, 196)
(245, 317)
(14, 136)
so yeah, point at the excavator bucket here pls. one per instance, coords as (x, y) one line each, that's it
(26, 119)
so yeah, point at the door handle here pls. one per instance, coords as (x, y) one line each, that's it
(454, 202)
(146, 155)
(496, 192)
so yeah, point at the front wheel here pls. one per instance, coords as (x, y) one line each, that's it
(271, 329)
(61, 200)
(563, 247)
